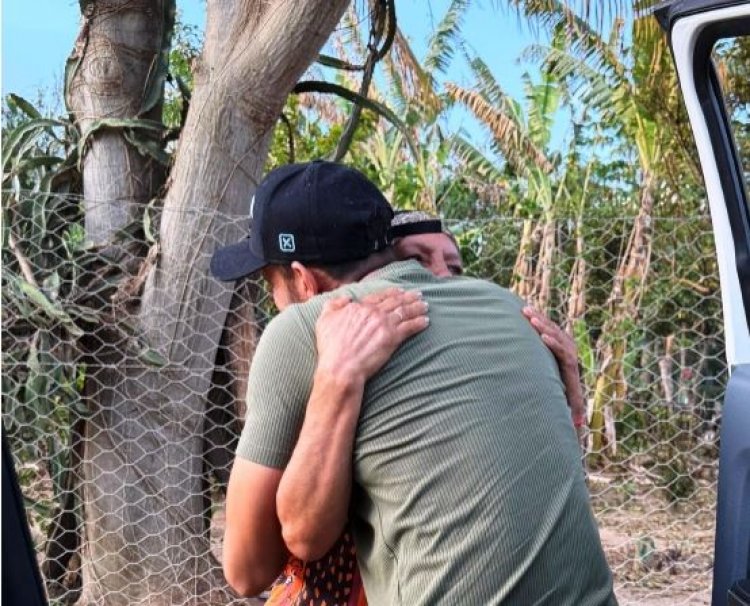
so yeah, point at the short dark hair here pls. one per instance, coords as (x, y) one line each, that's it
(351, 271)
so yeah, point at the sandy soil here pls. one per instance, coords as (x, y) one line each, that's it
(661, 553)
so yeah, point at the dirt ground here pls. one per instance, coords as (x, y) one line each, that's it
(661, 553)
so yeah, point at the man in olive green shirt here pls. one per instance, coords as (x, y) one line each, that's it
(467, 480)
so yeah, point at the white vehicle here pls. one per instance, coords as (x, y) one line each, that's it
(694, 28)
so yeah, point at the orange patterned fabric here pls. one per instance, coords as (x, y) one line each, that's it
(333, 580)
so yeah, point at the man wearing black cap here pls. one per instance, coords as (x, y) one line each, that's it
(467, 481)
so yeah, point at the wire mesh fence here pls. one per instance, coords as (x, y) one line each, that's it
(123, 397)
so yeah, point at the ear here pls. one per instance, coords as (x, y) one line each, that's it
(306, 282)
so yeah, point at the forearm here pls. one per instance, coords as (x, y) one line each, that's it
(313, 497)
(253, 552)
(571, 377)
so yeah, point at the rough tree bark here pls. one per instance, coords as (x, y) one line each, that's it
(542, 287)
(112, 75)
(623, 309)
(666, 365)
(146, 539)
(522, 283)
(576, 305)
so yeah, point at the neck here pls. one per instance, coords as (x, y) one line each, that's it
(373, 263)
(361, 270)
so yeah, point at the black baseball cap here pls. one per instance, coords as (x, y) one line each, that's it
(317, 212)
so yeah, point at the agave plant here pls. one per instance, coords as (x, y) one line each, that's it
(62, 298)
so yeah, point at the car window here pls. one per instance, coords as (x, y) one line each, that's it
(732, 59)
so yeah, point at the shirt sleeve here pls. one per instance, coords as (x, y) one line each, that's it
(280, 383)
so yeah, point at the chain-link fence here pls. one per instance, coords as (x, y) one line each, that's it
(123, 395)
(654, 487)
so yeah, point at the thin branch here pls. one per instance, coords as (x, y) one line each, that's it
(290, 135)
(351, 124)
(701, 289)
(23, 261)
(320, 86)
(337, 63)
(390, 35)
(374, 55)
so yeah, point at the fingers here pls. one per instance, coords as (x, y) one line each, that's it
(404, 301)
(404, 311)
(409, 328)
(394, 300)
(336, 303)
(542, 323)
(560, 342)
(554, 345)
(398, 306)
(410, 311)
(400, 313)
(377, 298)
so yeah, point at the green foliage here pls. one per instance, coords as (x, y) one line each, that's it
(445, 38)
(619, 95)
(674, 474)
(300, 137)
(56, 287)
(732, 57)
(186, 44)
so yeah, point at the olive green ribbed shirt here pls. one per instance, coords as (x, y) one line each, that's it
(468, 482)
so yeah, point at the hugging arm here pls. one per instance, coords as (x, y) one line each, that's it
(280, 376)
(354, 341)
(563, 347)
(253, 550)
(265, 504)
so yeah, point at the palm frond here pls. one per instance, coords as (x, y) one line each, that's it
(603, 91)
(542, 102)
(511, 139)
(412, 83)
(545, 12)
(486, 83)
(324, 108)
(479, 173)
(475, 164)
(442, 44)
(587, 42)
(488, 87)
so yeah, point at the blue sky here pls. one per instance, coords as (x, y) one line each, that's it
(37, 36)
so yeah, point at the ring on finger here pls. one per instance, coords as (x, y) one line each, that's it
(399, 315)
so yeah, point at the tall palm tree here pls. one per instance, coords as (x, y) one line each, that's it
(521, 137)
(625, 90)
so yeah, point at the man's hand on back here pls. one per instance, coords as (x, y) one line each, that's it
(355, 339)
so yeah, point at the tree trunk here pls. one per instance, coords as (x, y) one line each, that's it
(226, 400)
(116, 72)
(666, 366)
(522, 280)
(543, 272)
(577, 294)
(146, 539)
(623, 306)
(686, 386)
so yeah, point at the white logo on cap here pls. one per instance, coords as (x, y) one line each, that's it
(252, 206)
(286, 243)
